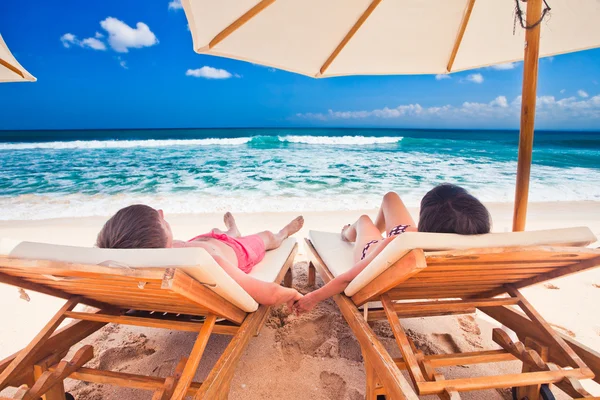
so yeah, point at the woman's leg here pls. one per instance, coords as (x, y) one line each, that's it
(274, 240)
(361, 232)
(392, 213)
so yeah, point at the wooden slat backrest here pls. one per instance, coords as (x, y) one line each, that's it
(122, 287)
(474, 272)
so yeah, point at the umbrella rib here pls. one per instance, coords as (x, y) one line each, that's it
(12, 68)
(238, 23)
(349, 35)
(461, 33)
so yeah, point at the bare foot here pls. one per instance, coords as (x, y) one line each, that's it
(230, 224)
(292, 227)
(348, 233)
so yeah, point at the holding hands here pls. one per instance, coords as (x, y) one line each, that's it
(305, 304)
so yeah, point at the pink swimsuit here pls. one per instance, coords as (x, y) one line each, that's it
(249, 250)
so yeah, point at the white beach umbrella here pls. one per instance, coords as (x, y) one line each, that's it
(10, 69)
(323, 38)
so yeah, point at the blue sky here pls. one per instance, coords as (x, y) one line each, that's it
(124, 64)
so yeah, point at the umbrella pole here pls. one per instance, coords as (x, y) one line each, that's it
(530, 75)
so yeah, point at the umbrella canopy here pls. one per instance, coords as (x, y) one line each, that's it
(322, 38)
(10, 69)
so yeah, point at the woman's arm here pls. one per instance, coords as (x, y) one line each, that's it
(339, 284)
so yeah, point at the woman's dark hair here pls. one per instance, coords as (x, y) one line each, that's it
(133, 227)
(449, 208)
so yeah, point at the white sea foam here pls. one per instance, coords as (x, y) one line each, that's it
(122, 144)
(340, 140)
(266, 177)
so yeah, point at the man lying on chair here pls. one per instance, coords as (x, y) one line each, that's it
(142, 227)
(444, 209)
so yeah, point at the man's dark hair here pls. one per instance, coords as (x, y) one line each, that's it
(133, 227)
(449, 208)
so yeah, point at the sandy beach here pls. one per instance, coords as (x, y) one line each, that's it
(313, 355)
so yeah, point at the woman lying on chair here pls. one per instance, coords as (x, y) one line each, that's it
(444, 209)
(142, 227)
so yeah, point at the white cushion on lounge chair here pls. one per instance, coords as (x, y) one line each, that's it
(196, 262)
(337, 254)
(268, 269)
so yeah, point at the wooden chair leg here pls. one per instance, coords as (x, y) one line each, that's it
(50, 379)
(25, 357)
(289, 278)
(224, 391)
(166, 392)
(532, 392)
(312, 274)
(225, 366)
(450, 394)
(402, 340)
(548, 331)
(194, 360)
(371, 378)
(57, 392)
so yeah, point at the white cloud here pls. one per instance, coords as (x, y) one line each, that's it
(210, 73)
(93, 43)
(175, 5)
(582, 93)
(68, 40)
(122, 63)
(122, 37)
(563, 91)
(500, 109)
(439, 77)
(475, 78)
(500, 101)
(503, 67)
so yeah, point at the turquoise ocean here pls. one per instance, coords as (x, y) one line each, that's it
(48, 174)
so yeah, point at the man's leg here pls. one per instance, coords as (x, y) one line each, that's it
(274, 240)
(231, 225)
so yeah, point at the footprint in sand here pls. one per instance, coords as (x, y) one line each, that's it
(355, 395)
(333, 385)
(349, 348)
(424, 343)
(117, 358)
(551, 286)
(472, 333)
(447, 343)
(308, 335)
(303, 337)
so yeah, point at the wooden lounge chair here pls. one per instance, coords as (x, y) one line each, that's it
(180, 282)
(426, 274)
